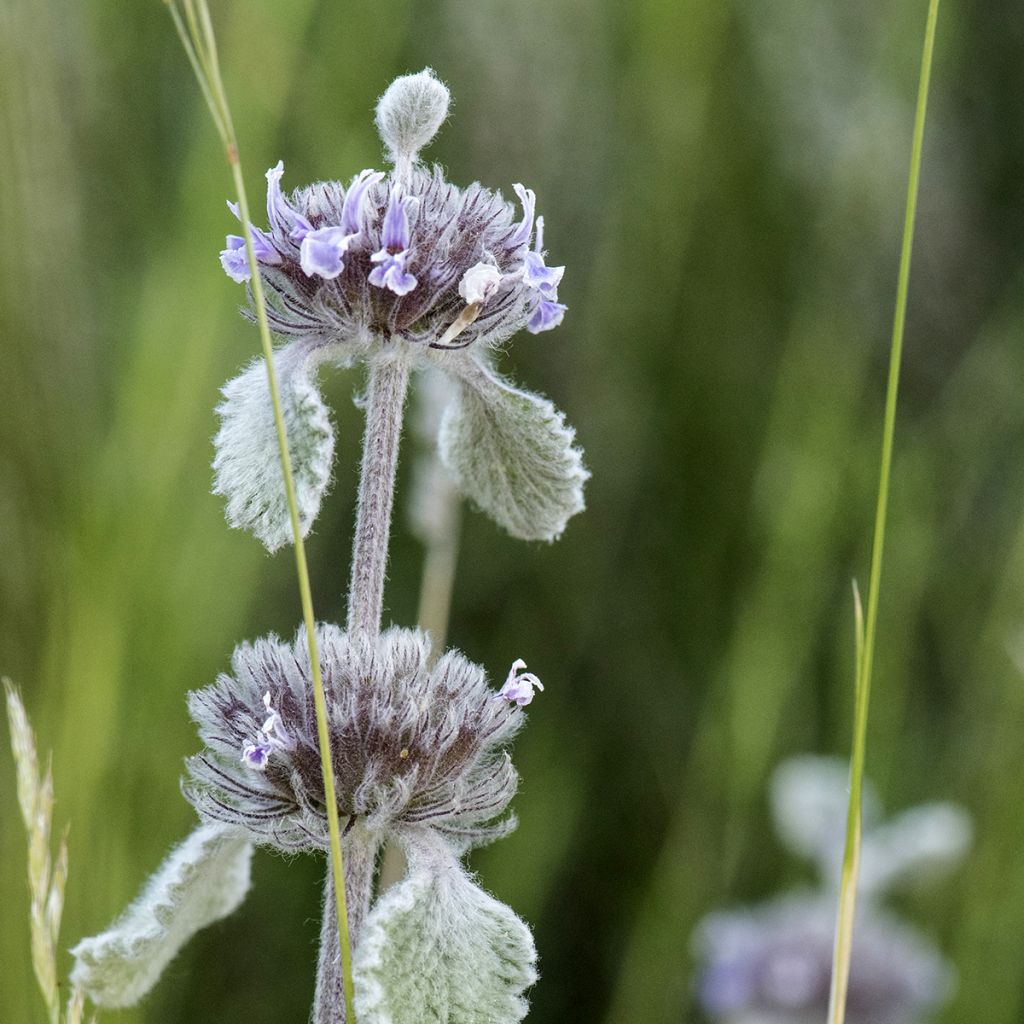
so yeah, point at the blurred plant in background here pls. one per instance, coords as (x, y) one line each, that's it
(732, 265)
(771, 963)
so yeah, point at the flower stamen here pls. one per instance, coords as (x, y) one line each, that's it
(461, 322)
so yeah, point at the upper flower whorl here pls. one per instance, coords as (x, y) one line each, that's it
(449, 232)
(404, 255)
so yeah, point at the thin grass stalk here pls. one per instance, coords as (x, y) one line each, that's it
(47, 878)
(200, 45)
(866, 645)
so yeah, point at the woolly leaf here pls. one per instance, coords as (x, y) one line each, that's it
(512, 453)
(437, 949)
(247, 464)
(925, 840)
(201, 881)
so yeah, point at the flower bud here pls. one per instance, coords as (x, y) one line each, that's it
(410, 112)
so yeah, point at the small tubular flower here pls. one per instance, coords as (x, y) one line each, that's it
(271, 736)
(321, 249)
(234, 258)
(479, 283)
(519, 686)
(393, 254)
(544, 280)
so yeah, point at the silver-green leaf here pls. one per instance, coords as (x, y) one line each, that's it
(247, 463)
(201, 881)
(512, 453)
(437, 949)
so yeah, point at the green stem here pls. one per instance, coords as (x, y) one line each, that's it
(440, 560)
(203, 56)
(306, 597)
(851, 855)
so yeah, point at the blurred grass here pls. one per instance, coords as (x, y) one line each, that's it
(721, 181)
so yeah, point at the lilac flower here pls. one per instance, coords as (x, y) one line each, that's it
(419, 750)
(394, 252)
(365, 235)
(271, 736)
(536, 274)
(519, 686)
(546, 315)
(322, 249)
(548, 312)
(234, 258)
(256, 755)
(283, 218)
(402, 266)
(366, 240)
(528, 198)
(772, 964)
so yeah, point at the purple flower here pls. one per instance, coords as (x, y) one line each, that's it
(535, 274)
(271, 736)
(391, 258)
(544, 281)
(467, 247)
(282, 217)
(525, 229)
(322, 252)
(234, 258)
(256, 755)
(519, 686)
(546, 316)
(322, 249)
(774, 962)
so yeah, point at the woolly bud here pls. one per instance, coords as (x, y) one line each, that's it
(410, 112)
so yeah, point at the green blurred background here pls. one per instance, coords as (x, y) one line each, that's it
(724, 180)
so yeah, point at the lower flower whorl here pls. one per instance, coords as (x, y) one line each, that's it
(410, 743)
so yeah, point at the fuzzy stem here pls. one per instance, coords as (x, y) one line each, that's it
(385, 402)
(329, 1005)
(199, 42)
(866, 644)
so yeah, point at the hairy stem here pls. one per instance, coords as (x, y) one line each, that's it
(866, 641)
(329, 1004)
(385, 402)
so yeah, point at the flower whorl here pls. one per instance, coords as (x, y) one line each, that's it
(437, 236)
(401, 255)
(411, 744)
